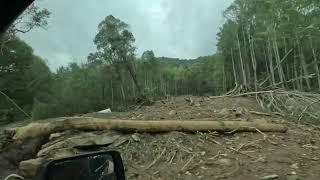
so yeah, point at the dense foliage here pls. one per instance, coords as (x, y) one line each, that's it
(24, 78)
(263, 44)
(271, 43)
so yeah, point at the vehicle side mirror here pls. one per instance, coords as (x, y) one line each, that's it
(105, 165)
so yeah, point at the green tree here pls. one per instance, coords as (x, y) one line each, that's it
(23, 76)
(32, 17)
(114, 42)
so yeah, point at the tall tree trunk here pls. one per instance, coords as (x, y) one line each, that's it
(296, 73)
(301, 80)
(315, 61)
(287, 72)
(103, 87)
(121, 84)
(253, 59)
(223, 78)
(133, 89)
(112, 94)
(246, 57)
(123, 94)
(134, 77)
(303, 64)
(234, 69)
(279, 65)
(244, 77)
(271, 63)
(175, 88)
(145, 78)
(267, 65)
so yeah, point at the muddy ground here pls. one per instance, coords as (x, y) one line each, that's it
(176, 155)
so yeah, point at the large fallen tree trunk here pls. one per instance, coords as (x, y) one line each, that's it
(94, 124)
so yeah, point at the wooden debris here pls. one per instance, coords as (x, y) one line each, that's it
(272, 176)
(155, 160)
(93, 124)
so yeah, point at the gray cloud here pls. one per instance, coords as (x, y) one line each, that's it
(174, 28)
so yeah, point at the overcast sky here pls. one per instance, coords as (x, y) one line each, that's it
(173, 28)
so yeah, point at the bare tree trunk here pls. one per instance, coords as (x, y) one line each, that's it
(315, 61)
(244, 77)
(223, 78)
(267, 65)
(103, 87)
(271, 63)
(253, 59)
(145, 78)
(112, 95)
(304, 64)
(234, 68)
(246, 58)
(134, 77)
(287, 72)
(301, 80)
(175, 87)
(15, 104)
(123, 94)
(133, 89)
(296, 74)
(277, 57)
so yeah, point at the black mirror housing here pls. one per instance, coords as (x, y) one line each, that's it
(90, 166)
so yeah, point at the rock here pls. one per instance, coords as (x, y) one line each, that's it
(63, 153)
(136, 137)
(272, 176)
(105, 111)
(224, 162)
(310, 146)
(79, 141)
(197, 105)
(172, 112)
(240, 111)
(203, 153)
(29, 168)
(286, 160)
(315, 159)
(295, 166)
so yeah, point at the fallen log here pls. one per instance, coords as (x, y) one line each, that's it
(93, 124)
(30, 138)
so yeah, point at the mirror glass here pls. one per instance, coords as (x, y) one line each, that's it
(91, 167)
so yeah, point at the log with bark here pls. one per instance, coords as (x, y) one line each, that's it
(150, 126)
(27, 140)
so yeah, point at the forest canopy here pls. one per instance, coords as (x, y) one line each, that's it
(263, 44)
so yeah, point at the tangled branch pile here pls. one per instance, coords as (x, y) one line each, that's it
(294, 104)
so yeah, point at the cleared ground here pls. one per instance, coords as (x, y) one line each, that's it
(211, 155)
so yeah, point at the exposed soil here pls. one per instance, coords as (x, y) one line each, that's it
(178, 155)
